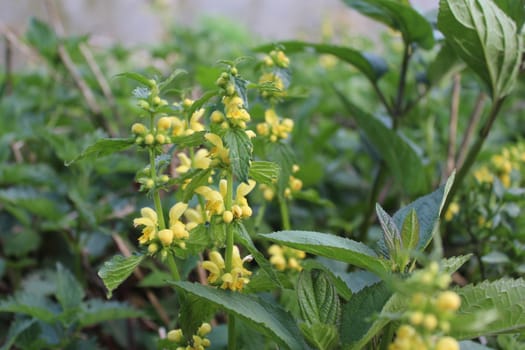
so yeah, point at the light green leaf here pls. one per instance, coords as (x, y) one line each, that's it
(95, 311)
(410, 230)
(69, 292)
(412, 25)
(445, 64)
(139, 78)
(452, 264)
(373, 67)
(283, 155)
(265, 317)
(174, 75)
(195, 139)
(197, 104)
(103, 148)
(240, 148)
(264, 172)
(117, 270)
(321, 336)
(486, 39)
(333, 247)
(401, 159)
(496, 307)
(515, 9)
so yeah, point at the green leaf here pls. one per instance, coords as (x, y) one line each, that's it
(470, 345)
(21, 243)
(445, 64)
(69, 292)
(195, 139)
(95, 311)
(333, 247)
(283, 155)
(15, 329)
(317, 296)
(31, 304)
(194, 311)
(27, 174)
(391, 234)
(43, 38)
(515, 9)
(321, 336)
(46, 205)
(452, 264)
(197, 104)
(102, 148)
(243, 237)
(361, 312)
(337, 280)
(486, 39)
(373, 67)
(412, 25)
(199, 177)
(490, 308)
(139, 78)
(156, 278)
(117, 270)
(401, 159)
(240, 148)
(265, 317)
(264, 172)
(410, 230)
(174, 75)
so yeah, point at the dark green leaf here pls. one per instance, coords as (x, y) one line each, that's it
(264, 172)
(321, 336)
(283, 155)
(332, 247)
(43, 38)
(391, 234)
(515, 9)
(197, 104)
(401, 159)
(27, 174)
(21, 243)
(445, 64)
(42, 204)
(15, 329)
(195, 139)
(194, 311)
(95, 311)
(117, 270)
(69, 292)
(103, 148)
(31, 304)
(155, 278)
(486, 39)
(412, 25)
(240, 148)
(335, 277)
(373, 67)
(265, 317)
(139, 78)
(199, 177)
(318, 298)
(410, 230)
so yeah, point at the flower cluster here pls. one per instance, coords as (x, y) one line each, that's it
(505, 166)
(196, 342)
(274, 128)
(286, 258)
(430, 310)
(157, 238)
(276, 58)
(294, 186)
(235, 279)
(274, 64)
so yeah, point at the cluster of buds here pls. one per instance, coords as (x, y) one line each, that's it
(285, 258)
(502, 166)
(148, 183)
(150, 138)
(235, 279)
(226, 83)
(274, 127)
(276, 58)
(276, 82)
(196, 342)
(153, 100)
(431, 308)
(294, 186)
(161, 239)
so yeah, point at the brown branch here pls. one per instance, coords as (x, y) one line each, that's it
(453, 127)
(19, 44)
(123, 248)
(471, 128)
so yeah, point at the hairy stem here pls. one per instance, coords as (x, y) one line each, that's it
(285, 215)
(472, 123)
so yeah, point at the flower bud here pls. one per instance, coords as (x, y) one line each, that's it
(166, 236)
(217, 116)
(448, 301)
(153, 248)
(149, 139)
(164, 123)
(138, 129)
(175, 335)
(227, 216)
(204, 329)
(447, 343)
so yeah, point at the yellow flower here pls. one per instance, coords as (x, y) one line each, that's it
(214, 200)
(447, 343)
(274, 127)
(215, 266)
(149, 221)
(201, 160)
(219, 151)
(195, 217)
(233, 280)
(483, 175)
(452, 210)
(195, 124)
(178, 228)
(178, 126)
(448, 301)
(284, 257)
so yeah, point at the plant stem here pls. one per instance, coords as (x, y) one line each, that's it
(398, 106)
(472, 123)
(229, 227)
(285, 215)
(156, 195)
(386, 338)
(173, 267)
(452, 128)
(374, 193)
(231, 332)
(473, 152)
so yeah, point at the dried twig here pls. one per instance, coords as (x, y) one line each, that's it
(472, 123)
(453, 127)
(19, 44)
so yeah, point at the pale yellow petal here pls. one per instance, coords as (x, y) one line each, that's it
(176, 211)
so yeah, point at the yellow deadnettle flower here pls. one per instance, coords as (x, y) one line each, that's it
(149, 221)
(201, 160)
(233, 280)
(219, 151)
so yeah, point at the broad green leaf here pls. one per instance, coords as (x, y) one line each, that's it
(317, 296)
(470, 345)
(283, 155)
(15, 329)
(46, 205)
(515, 9)
(373, 67)
(336, 277)
(240, 147)
(21, 243)
(194, 311)
(197, 104)
(95, 311)
(27, 174)
(321, 336)
(485, 38)
(69, 292)
(103, 148)
(139, 78)
(265, 317)
(31, 304)
(333, 247)
(391, 234)
(264, 172)
(402, 17)
(41, 36)
(452, 264)
(243, 237)
(445, 64)
(117, 270)
(503, 300)
(360, 313)
(195, 139)
(401, 159)
(410, 230)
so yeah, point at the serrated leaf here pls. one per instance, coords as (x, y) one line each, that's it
(69, 292)
(452, 264)
(505, 298)
(95, 311)
(265, 317)
(412, 25)
(139, 78)
(240, 151)
(337, 280)
(102, 148)
(410, 230)
(317, 297)
(486, 39)
(321, 336)
(195, 139)
(30, 304)
(241, 90)
(372, 66)
(117, 270)
(283, 155)
(199, 177)
(243, 237)
(333, 247)
(197, 104)
(15, 329)
(391, 234)
(194, 311)
(401, 159)
(264, 172)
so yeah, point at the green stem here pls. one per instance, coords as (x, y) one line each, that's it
(173, 267)
(156, 195)
(229, 227)
(285, 215)
(473, 153)
(388, 335)
(231, 332)
(374, 194)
